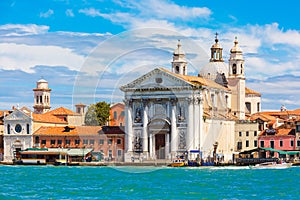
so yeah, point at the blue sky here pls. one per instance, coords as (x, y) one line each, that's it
(87, 49)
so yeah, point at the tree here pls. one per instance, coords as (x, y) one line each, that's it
(97, 114)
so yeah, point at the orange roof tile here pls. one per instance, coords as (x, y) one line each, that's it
(77, 130)
(196, 81)
(250, 91)
(62, 111)
(47, 118)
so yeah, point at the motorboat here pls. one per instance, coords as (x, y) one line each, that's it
(178, 163)
(271, 165)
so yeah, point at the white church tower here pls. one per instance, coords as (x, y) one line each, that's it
(179, 64)
(236, 80)
(41, 97)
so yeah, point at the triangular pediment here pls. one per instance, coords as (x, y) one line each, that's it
(157, 78)
(17, 115)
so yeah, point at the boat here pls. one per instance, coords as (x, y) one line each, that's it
(271, 165)
(178, 163)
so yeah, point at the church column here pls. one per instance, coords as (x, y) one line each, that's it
(190, 128)
(201, 122)
(151, 145)
(145, 129)
(196, 124)
(174, 133)
(128, 127)
(167, 145)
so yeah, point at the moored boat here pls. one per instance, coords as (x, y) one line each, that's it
(178, 163)
(271, 165)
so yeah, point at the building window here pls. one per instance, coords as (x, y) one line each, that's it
(52, 142)
(281, 143)
(258, 107)
(110, 153)
(292, 143)
(248, 106)
(239, 145)
(37, 139)
(298, 143)
(85, 141)
(59, 142)
(298, 128)
(68, 142)
(247, 133)
(119, 141)
(8, 128)
(43, 142)
(247, 143)
(92, 142)
(115, 115)
(109, 141)
(234, 68)
(41, 99)
(101, 141)
(28, 128)
(255, 133)
(119, 152)
(240, 134)
(262, 143)
(272, 144)
(18, 128)
(255, 143)
(77, 142)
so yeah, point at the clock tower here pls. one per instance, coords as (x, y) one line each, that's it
(41, 97)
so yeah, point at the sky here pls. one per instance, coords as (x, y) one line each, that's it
(87, 49)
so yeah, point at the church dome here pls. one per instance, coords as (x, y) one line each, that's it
(236, 48)
(213, 69)
(42, 84)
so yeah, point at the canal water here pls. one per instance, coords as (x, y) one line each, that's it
(50, 182)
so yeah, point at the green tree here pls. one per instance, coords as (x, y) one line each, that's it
(97, 114)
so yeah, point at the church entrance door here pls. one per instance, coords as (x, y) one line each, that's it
(160, 143)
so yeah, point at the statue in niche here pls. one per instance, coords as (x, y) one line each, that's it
(137, 144)
(138, 117)
(181, 113)
(182, 143)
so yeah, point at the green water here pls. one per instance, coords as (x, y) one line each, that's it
(49, 182)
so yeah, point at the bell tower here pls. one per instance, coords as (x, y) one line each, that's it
(216, 51)
(236, 80)
(179, 64)
(41, 97)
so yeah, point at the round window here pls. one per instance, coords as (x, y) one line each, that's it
(18, 128)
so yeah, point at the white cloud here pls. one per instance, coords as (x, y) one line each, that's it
(46, 14)
(22, 29)
(24, 57)
(69, 13)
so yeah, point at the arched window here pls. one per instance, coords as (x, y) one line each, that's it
(234, 69)
(41, 99)
(177, 68)
(241, 68)
(28, 129)
(37, 99)
(8, 128)
(248, 106)
(115, 115)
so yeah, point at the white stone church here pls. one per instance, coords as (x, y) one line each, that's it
(170, 113)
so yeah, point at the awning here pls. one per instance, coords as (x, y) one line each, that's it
(194, 151)
(281, 152)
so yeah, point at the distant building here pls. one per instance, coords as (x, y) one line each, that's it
(117, 114)
(21, 123)
(107, 142)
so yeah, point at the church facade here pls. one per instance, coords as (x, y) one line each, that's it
(170, 113)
